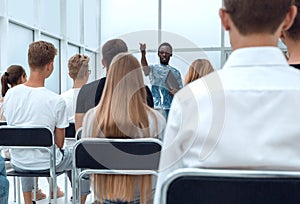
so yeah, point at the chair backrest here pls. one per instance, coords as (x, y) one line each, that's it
(231, 186)
(3, 123)
(70, 131)
(117, 154)
(26, 136)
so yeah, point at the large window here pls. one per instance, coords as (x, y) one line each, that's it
(23, 11)
(19, 39)
(73, 20)
(50, 16)
(119, 17)
(53, 82)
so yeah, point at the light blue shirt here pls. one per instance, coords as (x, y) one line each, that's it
(161, 95)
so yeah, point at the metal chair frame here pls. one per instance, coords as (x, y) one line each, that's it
(122, 163)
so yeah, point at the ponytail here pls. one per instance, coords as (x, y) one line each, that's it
(11, 77)
(4, 84)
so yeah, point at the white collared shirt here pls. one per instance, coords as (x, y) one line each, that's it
(245, 116)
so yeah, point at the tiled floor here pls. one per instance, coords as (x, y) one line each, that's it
(43, 184)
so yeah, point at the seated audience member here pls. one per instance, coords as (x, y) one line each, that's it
(90, 94)
(291, 38)
(198, 69)
(4, 184)
(14, 75)
(38, 106)
(162, 94)
(79, 72)
(242, 116)
(126, 118)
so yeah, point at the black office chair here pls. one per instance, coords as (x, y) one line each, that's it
(16, 137)
(114, 156)
(70, 135)
(211, 186)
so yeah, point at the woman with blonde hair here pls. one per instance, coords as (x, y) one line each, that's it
(123, 113)
(198, 69)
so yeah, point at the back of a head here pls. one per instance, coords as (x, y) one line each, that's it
(11, 77)
(111, 48)
(294, 31)
(257, 16)
(40, 53)
(125, 98)
(78, 64)
(198, 69)
(125, 67)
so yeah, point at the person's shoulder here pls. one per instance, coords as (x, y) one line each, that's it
(175, 70)
(91, 85)
(67, 92)
(89, 88)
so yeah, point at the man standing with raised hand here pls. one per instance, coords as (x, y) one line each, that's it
(158, 74)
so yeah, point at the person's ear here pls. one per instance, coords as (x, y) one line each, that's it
(103, 62)
(225, 19)
(289, 18)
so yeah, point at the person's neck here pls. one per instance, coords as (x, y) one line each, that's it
(35, 80)
(293, 48)
(78, 83)
(256, 40)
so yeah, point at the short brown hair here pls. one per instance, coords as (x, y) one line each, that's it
(294, 31)
(40, 53)
(257, 16)
(111, 48)
(77, 65)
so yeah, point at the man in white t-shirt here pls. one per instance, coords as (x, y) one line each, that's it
(38, 106)
(79, 72)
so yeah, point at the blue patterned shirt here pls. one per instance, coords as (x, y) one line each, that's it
(161, 95)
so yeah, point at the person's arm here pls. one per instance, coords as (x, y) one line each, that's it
(146, 68)
(179, 81)
(78, 120)
(59, 137)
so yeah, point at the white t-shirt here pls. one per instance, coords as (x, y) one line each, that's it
(70, 98)
(28, 106)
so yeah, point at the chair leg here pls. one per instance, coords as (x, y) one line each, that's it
(34, 189)
(50, 188)
(15, 190)
(19, 190)
(66, 187)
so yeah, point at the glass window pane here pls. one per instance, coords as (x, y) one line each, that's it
(91, 34)
(19, 39)
(73, 20)
(53, 82)
(22, 10)
(197, 21)
(92, 65)
(119, 17)
(50, 16)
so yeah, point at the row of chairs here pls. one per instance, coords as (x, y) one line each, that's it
(103, 156)
(141, 156)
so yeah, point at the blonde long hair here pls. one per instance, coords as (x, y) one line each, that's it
(123, 113)
(198, 69)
